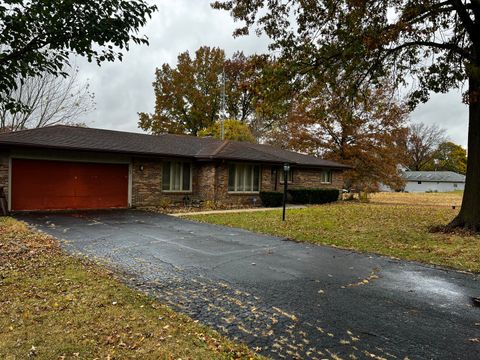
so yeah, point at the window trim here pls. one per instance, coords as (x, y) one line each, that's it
(233, 192)
(181, 179)
(290, 173)
(330, 176)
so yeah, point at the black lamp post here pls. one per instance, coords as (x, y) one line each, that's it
(286, 169)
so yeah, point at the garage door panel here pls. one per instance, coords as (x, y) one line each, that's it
(59, 185)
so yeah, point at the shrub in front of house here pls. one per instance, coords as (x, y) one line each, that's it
(313, 196)
(271, 198)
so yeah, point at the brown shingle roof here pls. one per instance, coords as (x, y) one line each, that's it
(89, 139)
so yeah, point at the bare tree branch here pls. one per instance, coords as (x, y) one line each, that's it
(443, 46)
(422, 142)
(49, 100)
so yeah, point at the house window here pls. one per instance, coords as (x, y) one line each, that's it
(290, 176)
(419, 183)
(177, 176)
(326, 177)
(455, 185)
(243, 178)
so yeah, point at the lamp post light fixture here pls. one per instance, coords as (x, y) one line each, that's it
(286, 169)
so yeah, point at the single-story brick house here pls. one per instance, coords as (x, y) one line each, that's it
(66, 167)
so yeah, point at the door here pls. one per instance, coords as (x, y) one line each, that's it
(61, 185)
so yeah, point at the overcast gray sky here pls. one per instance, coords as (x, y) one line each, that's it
(124, 88)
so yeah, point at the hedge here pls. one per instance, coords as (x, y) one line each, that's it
(313, 196)
(271, 198)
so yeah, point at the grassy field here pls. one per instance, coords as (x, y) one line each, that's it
(434, 199)
(53, 306)
(386, 228)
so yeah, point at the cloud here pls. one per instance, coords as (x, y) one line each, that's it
(122, 89)
(448, 112)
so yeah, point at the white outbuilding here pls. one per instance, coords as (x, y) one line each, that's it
(440, 181)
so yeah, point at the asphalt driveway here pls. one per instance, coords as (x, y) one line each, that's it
(286, 299)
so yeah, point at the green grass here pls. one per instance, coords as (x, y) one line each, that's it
(394, 230)
(53, 306)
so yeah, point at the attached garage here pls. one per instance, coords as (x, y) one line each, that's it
(62, 185)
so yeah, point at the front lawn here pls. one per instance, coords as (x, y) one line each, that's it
(54, 306)
(395, 230)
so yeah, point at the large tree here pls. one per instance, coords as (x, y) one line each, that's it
(449, 157)
(421, 145)
(38, 36)
(365, 129)
(436, 42)
(188, 96)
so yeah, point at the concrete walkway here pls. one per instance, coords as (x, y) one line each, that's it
(227, 211)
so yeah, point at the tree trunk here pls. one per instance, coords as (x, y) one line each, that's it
(469, 216)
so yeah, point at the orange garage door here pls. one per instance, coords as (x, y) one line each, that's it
(59, 185)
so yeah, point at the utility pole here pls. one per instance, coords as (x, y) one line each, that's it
(222, 110)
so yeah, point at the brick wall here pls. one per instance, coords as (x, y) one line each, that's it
(147, 183)
(222, 196)
(311, 178)
(268, 178)
(302, 178)
(4, 172)
(210, 183)
(205, 181)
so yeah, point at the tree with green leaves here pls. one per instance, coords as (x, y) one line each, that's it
(39, 36)
(233, 130)
(435, 42)
(449, 157)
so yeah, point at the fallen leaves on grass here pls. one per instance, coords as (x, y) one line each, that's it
(54, 306)
(19, 244)
(448, 199)
(445, 229)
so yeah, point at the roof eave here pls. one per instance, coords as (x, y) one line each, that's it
(276, 162)
(15, 144)
(108, 151)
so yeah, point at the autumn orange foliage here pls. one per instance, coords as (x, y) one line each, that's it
(364, 129)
